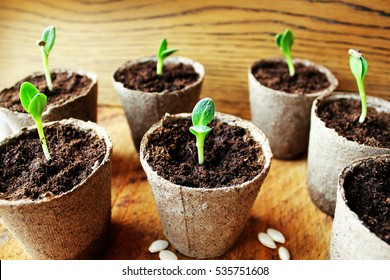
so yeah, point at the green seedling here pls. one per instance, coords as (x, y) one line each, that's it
(46, 44)
(34, 102)
(359, 66)
(163, 53)
(202, 115)
(285, 42)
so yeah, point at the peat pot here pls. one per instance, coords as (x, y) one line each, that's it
(143, 109)
(205, 222)
(285, 117)
(351, 238)
(70, 225)
(83, 107)
(329, 152)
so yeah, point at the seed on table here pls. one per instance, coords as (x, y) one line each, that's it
(167, 255)
(266, 240)
(158, 246)
(276, 235)
(284, 254)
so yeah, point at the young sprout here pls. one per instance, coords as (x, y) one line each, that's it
(46, 44)
(202, 115)
(162, 54)
(358, 65)
(284, 42)
(34, 102)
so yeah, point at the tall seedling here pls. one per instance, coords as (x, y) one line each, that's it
(46, 44)
(359, 66)
(163, 53)
(34, 103)
(202, 115)
(285, 42)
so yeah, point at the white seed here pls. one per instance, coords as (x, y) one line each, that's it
(95, 165)
(276, 235)
(266, 240)
(355, 53)
(158, 246)
(167, 255)
(284, 254)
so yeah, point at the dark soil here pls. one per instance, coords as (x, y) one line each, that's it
(343, 116)
(65, 87)
(231, 155)
(367, 191)
(275, 75)
(143, 77)
(25, 173)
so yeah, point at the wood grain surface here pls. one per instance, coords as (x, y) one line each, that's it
(226, 37)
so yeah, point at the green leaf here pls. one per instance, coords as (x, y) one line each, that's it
(356, 67)
(27, 93)
(37, 105)
(203, 112)
(202, 115)
(200, 129)
(278, 39)
(162, 48)
(49, 37)
(32, 100)
(167, 53)
(358, 64)
(285, 42)
(162, 54)
(287, 39)
(364, 66)
(34, 103)
(359, 67)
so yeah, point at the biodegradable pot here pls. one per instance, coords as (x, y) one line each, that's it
(83, 107)
(285, 117)
(351, 239)
(143, 109)
(5, 130)
(200, 222)
(72, 225)
(329, 152)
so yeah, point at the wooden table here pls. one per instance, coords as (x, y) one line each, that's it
(226, 37)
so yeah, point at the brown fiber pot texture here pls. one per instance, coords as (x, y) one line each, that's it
(284, 117)
(5, 130)
(83, 107)
(73, 225)
(199, 222)
(143, 109)
(351, 239)
(329, 152)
